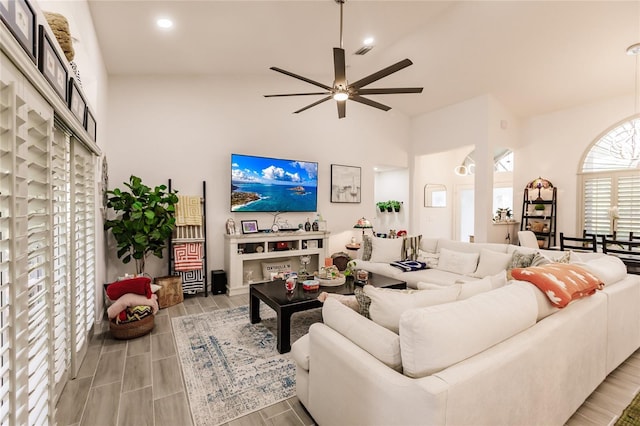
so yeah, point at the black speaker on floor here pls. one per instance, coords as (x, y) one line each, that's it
(218, 281)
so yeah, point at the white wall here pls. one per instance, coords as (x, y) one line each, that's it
(392, 185)
(185, 128)
(553, 146)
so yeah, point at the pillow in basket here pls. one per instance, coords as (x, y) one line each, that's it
(136, 285)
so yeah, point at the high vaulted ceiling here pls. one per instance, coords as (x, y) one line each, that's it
(533, 56)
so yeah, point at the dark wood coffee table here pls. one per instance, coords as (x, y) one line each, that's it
(274, 295)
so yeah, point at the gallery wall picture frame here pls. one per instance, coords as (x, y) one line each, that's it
(249, 226)
(90, 124)
(77, 104)
(345, 184)
(51, 65)
(20, 18)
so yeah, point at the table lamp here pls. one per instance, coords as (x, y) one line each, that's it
(539, 183)
(363, 224)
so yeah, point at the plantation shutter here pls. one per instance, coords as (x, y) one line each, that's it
(628, 202)
(597, 201)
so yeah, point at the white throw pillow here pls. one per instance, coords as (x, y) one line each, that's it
(457, 262)
(491, 262)
(386, 250)
(387, 304)
(378, 341)
(431, 259)
(436, 337)
(609, 269)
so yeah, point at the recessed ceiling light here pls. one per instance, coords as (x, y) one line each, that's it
(164, 23)
(634, 49)
(368, 41)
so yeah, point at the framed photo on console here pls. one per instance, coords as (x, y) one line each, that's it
(52, 66)
(345, 184)
(249, 226)
(20, 18)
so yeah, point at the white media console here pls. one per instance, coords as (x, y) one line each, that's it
(244, 255)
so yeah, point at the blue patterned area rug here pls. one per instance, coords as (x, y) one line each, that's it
(232, 367)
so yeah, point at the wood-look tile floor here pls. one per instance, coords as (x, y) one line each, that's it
(139, 382)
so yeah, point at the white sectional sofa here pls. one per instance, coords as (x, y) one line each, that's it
(501, 357)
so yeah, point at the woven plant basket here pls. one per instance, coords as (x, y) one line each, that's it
(133, 329)
(170, 292)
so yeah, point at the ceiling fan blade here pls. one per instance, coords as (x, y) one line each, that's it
(312, 105)
(297, 94)
(299, 77)
(390, 91)
(339, 67)
(342, 109)
(369, 102)
(381, 74)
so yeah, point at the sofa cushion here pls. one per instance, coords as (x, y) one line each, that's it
(434, 276)
(435, 337)
(491, 262)
(387, 304)
(465, 247)
(386, 250)
(378, 341)
(458, 262)
(471, 288)
(561, 282)
(610, 269)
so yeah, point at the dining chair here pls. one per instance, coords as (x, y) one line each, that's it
(528, 239)
(584, 244)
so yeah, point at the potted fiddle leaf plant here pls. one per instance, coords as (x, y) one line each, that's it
(144, 220)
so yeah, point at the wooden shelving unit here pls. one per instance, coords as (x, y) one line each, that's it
(532, 218)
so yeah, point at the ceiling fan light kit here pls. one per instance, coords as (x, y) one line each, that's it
(341, 90)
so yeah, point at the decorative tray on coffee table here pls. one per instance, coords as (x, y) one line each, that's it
(331, 282)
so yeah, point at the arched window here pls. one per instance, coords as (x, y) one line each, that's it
(610, 181)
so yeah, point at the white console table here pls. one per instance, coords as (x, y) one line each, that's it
(244, 253)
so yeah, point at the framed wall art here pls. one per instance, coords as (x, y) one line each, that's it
(77, 104)
(249, 226)
(20, 18)
(90, 124)
(345, 184)
(51, 65)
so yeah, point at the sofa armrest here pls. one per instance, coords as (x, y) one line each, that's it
(347, 385)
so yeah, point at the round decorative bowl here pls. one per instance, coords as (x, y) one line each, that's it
(310, 285)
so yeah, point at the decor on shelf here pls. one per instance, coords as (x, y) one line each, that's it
(539, 184)
(249, 226)
(51, 65)
(77, 104)
(363, 224)
(90, 124)
(341, 90)
(20, 18)
(345, 184)
(382, 205)
(502, 214)
(145, 219)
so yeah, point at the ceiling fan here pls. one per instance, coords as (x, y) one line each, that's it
(341, 90)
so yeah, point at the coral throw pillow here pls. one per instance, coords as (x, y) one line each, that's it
(137, 285)
(561, 282)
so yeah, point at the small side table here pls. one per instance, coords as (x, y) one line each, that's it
(354, 247)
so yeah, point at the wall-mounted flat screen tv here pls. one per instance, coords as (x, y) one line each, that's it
(261, 184)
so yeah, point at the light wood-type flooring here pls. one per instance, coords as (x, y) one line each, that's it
(138, 382)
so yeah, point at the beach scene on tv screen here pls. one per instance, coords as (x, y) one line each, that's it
(260, 184)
